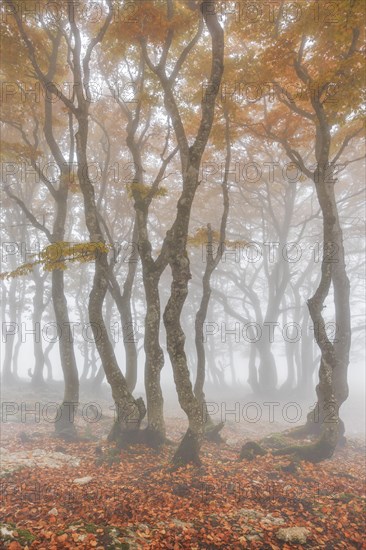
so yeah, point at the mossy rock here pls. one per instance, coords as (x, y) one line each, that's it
(274, 441)
(22, 536)
(314, 452)
(251, 450)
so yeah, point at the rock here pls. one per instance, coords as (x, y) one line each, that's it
(250, 450)
(11, 461)
(6, 532)
(59, 449)
(291, 468)
(293, 534)
(24, 438)
(82, 480)
(272, 520)
(53, 512)
(250, 513)
(254, 538)
(181, 490)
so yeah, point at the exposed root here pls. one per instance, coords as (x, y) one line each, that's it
(250, 450)
(313, 452)
(64, 425)
(188, 450)
(212, 433)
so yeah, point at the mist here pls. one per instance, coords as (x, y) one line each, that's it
(182, 275)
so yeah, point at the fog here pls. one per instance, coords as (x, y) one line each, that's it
(182, 274)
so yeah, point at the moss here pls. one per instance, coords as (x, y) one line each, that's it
(314, 452)
(250, 450)
(25, 536)
(274, 441)
(90, 527)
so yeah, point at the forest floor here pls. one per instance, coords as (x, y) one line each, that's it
(85, 494)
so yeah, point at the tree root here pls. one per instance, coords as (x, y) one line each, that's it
(64, 425)
(313, 452)
(212, 433)
(250, 450)
(320, 449)
(188, 450)
(125, 438)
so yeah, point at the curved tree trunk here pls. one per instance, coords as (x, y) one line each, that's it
(332, 389)
(151, 274)
(123, 303)
(176, 240)
(212, 262)
(64, 426)
(252, 368)
(188, 450)
(47, 361)
(154, 355)
(64, 422)
(129, 411)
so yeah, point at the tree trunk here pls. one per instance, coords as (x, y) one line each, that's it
(151, 274)
(7, 374)
(267, 370)
(188, 450)
(38, 309)
(64, 425)
(129, 411)
(154, 356)
(290, 344)
(47, 361)
(123, 303)
(175, 242)
(305, 379)
(212, 262)
(332, 389)
(252, 367)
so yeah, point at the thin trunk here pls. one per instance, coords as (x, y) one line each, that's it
(212, 262)
(38, 309)
(64, 426)
(7, 374)
(123, 303)
(267, 370)
(47, 361)
(86, 365)
(252, 367)
(289, 383)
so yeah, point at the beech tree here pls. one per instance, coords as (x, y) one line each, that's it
(329, 112)
(185, 65)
